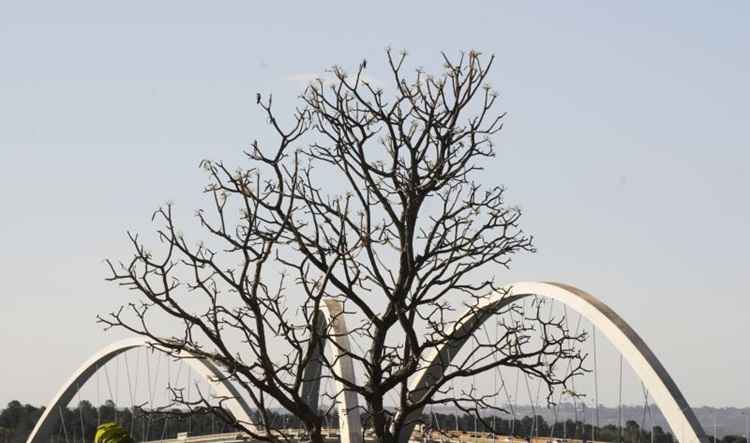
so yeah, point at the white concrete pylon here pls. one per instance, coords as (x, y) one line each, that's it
(350, 423)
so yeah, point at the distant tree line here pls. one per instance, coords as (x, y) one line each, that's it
(79, 424)
(18, 420)
(529, 427)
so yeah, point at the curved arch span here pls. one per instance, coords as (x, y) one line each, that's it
(224, 389)
(667, 396)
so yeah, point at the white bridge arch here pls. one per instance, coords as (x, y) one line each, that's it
(350, 424)
(205, 368)
(666, 394)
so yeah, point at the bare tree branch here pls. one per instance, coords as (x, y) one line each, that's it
(371, 199)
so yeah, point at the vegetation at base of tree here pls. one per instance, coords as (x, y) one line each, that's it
(111, 432)
(17, 421)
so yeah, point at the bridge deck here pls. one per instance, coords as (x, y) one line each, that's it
(333, 437)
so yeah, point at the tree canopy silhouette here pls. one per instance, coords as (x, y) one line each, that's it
(370, 198)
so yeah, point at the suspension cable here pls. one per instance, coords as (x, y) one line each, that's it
(98, 398)
(499, 373)
(190, 421)
(533, 406)
(164, 429)
(117, 384)
(596, 384)
(496, 374)
(473, 387)
(130, 391)
(179, 372)
(62, 420)
(645, 406)
(111, 395)
(151, 392)
(554, 422)
(518, 375)
(538, 392)
(572, 381)
(515, 397)
(156, 380)
(137, 371)
(80, 413)
(619, 405)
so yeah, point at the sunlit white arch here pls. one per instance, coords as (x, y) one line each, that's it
(223, 388)
(634, 350)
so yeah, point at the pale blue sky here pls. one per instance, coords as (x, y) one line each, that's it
(626, 144)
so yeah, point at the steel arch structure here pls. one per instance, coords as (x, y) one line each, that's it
(633, 348)
(234, 403)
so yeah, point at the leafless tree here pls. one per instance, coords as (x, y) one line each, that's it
(370, 198)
